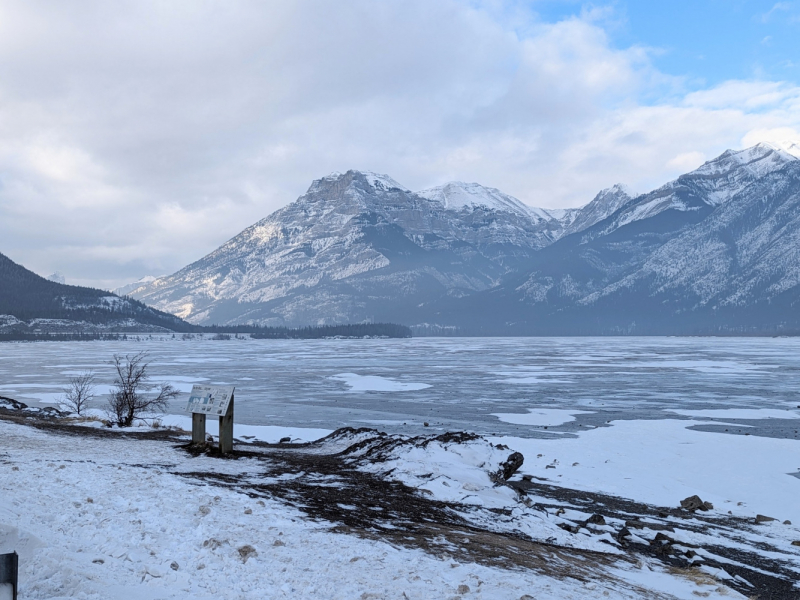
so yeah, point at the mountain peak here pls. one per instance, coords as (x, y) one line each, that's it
(379, 181)
(756, 161)
(458, 195)
(790, 147)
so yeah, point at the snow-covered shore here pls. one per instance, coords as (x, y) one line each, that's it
(113, 516)
(109, 518)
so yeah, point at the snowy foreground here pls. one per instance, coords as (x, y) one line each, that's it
(96, 513)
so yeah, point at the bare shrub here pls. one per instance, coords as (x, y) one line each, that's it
(80, 392)
(132, 394)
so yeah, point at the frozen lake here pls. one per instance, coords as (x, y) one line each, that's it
(652, 419)
(523, 387)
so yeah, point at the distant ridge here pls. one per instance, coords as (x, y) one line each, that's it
(358, 246)
(713, 252)
(30, 303)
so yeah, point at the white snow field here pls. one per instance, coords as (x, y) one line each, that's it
(114, 518)
(661, 462)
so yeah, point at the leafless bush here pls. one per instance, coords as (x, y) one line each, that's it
(132, 395)
(80, 392)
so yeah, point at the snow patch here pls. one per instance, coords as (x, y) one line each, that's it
(375, 383)
(740, 413)
(548, 417)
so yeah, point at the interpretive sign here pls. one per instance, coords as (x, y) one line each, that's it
(212, 400)
(209, 399)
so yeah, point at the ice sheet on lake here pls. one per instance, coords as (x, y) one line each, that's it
(547, 417)
(740, 413)
(374, 383)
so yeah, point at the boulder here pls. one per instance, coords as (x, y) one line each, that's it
(596, 520)
(693, 503)
(764, 519)
(511, 465)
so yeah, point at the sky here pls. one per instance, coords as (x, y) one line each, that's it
(138, 136)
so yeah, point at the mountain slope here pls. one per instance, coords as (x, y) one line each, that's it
(703, 253)
(358, 246)
(715, 251)
(25, 296)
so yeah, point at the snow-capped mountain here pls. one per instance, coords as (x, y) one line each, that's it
(717, 250)
(360, 246)
(458, 196)
(706, 250)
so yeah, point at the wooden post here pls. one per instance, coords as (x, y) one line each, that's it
(226, 430)
(9, 572)
(198, 429)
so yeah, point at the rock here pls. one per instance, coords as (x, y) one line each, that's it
(526, 597)
(284, 440)
(174, 566)
(787, 522)
(796, 543)
(98, 561)
(246, 552)
(425, 424)
(511, 465)
(89, 501)
(662, 539)
(596, 520)
(527, 478)
(278, 543)
(463, 589)
(764, 519)
(693, 503)
(248, 511)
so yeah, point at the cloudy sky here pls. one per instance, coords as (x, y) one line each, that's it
(137, 136)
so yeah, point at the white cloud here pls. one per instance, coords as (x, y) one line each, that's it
(138, 136)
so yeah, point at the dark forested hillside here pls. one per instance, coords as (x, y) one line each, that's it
(25, 295)
(358, 330)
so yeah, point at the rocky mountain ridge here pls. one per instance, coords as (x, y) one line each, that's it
(361, 246)
(705, 250)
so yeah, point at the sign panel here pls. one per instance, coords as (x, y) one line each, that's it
(210, 399)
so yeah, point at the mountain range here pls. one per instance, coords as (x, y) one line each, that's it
(714, 251)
